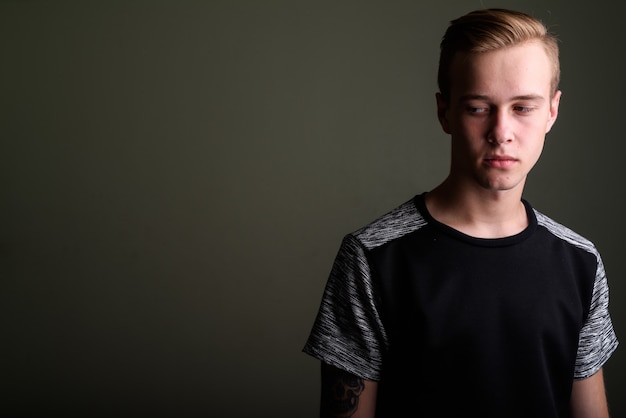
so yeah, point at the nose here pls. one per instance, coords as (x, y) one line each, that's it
(500, 128)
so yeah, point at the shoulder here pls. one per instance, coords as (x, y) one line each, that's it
(393, 225)
(564, 233)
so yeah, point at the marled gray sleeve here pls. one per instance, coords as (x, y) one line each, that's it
(597, 338)
(348, 332)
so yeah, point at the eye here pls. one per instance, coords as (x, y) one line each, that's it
(477, 110)
(523, 109)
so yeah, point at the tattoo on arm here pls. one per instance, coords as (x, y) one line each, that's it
(340, 392)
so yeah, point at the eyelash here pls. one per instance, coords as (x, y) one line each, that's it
(482, 110)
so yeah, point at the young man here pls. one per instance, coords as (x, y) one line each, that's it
(466, 301)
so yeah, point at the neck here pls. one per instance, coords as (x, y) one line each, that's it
(478, 212)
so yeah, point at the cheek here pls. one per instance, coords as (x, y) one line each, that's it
(533, 136)
(535, 148)
(471, 129)
(466, 149)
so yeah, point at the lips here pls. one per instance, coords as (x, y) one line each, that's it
(500, 161)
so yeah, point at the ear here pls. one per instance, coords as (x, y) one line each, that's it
(442, 113)
(554, 109)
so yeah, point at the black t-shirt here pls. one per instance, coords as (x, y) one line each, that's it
(449, 324)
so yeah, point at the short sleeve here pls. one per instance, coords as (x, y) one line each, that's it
(348, 332)
(597, 339)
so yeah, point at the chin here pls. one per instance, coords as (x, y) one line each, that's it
(500, 184)
(503, 186)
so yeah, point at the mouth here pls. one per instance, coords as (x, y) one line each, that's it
(499, 161)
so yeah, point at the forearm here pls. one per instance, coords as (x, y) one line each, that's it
(346, 395)
(589, 397)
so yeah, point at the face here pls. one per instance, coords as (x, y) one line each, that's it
(501, 107)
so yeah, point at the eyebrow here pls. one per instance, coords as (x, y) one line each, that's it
(528, 97)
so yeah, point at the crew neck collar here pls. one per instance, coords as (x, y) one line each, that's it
(420, 204)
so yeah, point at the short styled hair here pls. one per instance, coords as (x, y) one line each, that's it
(492, 29)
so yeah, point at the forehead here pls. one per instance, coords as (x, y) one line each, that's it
(518, 70)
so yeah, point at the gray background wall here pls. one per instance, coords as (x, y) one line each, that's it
(176, 177)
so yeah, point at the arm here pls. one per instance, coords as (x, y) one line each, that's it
(346, 395)
(589, 397)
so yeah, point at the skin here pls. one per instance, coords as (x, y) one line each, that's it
(346, 395)
(500, 109)
(589, 398)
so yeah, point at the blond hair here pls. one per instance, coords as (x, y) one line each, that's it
(492, 29)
